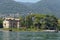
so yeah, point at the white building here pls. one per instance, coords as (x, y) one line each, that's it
(11, 23)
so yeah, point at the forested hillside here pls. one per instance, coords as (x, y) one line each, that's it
(44, 6)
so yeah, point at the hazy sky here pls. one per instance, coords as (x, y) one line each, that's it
(28, 0)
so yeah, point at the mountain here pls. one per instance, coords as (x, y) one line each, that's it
(43, 6)
(40, 7)
(47, 7)
(10, 6)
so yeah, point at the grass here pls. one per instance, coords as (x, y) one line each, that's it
(21, 29)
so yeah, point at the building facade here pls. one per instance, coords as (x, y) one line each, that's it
(11, 23)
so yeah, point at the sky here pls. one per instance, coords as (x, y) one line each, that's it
(33, 1)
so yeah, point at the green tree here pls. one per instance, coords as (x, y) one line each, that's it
(51, 22)
(1, 23)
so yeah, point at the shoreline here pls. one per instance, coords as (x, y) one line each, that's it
(30, 30)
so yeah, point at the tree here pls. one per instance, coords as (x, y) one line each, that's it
(1, 23)
(40, 21)
(29, 21)
(51, 22)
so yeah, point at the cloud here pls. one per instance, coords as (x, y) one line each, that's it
(27, 0)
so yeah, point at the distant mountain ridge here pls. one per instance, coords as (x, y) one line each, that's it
(43, 6)
(10, 6)
(48, 7)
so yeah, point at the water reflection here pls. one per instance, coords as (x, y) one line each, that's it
(1, 33)
(6, 35)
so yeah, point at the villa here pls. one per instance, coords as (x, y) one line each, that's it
(11, 23)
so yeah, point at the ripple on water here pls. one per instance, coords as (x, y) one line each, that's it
(29, 36)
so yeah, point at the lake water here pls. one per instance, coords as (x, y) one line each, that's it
(6, 35)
